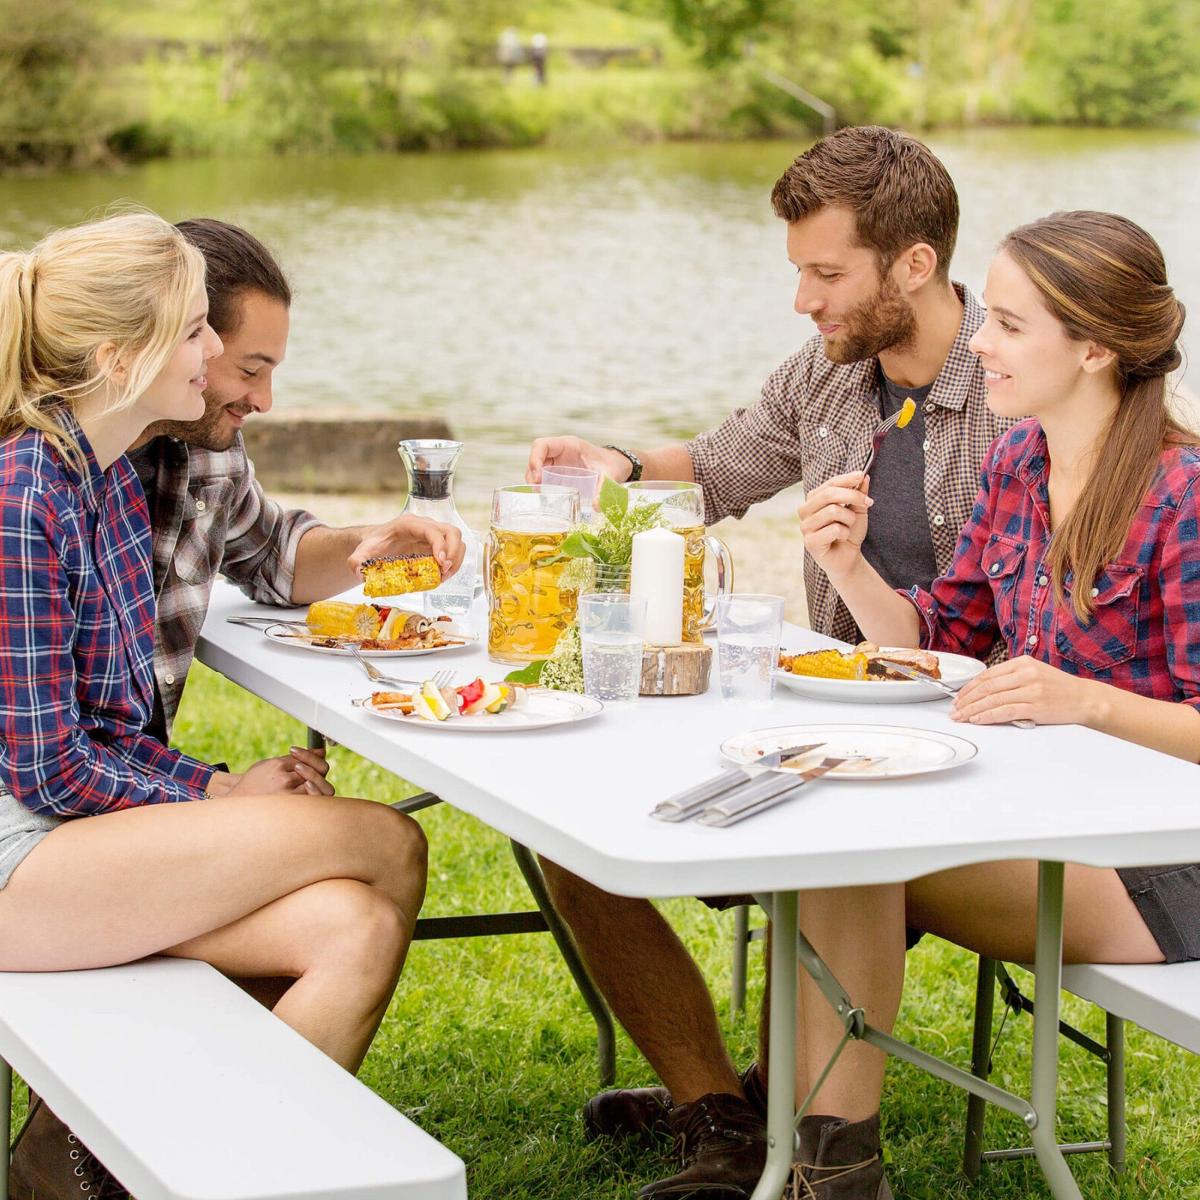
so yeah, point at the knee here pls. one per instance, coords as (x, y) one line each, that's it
(359, 926)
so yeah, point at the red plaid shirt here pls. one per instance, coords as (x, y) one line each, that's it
(77, 638)
(1144, 633)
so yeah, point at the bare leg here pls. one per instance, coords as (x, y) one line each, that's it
(651, 983)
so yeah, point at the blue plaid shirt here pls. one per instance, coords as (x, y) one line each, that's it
(77, 637)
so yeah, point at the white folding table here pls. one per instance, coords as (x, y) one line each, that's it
(1053, 794)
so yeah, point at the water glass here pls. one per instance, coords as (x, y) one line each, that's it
(611, 628)
(585, 481)
(748, 631)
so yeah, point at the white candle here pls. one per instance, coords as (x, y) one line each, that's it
(656, 573)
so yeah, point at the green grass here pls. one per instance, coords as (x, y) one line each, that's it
(489, 1048)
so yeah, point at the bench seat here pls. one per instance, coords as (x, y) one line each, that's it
(187, 1089)
(1162, 999)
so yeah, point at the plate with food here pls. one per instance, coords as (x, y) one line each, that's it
(870, 674)
(375, 630)
(482, 707)
(893, 751)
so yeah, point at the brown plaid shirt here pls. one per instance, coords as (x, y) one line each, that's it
(815, 420)
(210, 516)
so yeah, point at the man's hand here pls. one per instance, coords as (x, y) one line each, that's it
(1027, 688)
(300, 771)
(412, 535)
(575, 452)
(833, 519)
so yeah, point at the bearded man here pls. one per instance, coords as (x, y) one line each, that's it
(872, 218)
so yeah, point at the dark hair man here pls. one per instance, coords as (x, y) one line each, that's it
(872, 217)
(209, 513)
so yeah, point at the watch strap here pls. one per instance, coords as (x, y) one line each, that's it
(634, 462)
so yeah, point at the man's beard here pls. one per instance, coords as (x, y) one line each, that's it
(205, 433)
(884, 321)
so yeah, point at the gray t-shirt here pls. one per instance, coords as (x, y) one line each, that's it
(898, 544)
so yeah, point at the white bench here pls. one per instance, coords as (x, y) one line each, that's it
(187, 1089)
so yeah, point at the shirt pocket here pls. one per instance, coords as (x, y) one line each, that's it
(1110, 636)
(201, 545)
(1003, 564)
(824, 455)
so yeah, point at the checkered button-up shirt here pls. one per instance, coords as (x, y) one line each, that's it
(210, 516)
(815, 420)
(77, 638)
(1144, 632)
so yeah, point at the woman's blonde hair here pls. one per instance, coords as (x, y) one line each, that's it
(1105, 280)
(127, 280)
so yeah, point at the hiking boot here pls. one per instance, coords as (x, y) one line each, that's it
(839, 1161)
(628, 1112)
(722, 1144)
(50, 1163)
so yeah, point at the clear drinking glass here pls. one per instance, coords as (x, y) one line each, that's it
(530, 598)
(585, 481)
(611, 625)
(748, 632)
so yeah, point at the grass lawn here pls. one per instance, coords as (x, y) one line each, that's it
(488, 1047)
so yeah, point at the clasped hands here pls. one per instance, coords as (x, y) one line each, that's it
(300, 771)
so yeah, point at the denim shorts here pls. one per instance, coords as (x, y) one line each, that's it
(21, 829)
(1168, 899)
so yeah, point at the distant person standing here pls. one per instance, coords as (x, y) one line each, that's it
(509, 51)
(538, 46)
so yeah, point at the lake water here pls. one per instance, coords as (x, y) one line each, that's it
(629, 295)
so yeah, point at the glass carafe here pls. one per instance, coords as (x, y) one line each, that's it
(430, 465)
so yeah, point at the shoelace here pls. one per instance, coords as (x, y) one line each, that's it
(95, 1180)
(800, 1180)
(699, 1123)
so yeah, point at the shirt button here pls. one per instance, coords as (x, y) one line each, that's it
(201, 506)
(925, 445)
(928, 409)
(994, 568)
(939, 519)
(168, 679)
(822, 432)
(1095, 593)
(1031, 640)
(1042, 581)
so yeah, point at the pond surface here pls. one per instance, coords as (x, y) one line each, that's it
(629, 295)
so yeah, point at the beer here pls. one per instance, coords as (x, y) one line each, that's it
(530, 603)
(693, 580)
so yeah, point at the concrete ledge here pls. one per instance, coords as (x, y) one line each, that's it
(325, 451)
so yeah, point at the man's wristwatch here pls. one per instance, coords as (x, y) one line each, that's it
(634, 462)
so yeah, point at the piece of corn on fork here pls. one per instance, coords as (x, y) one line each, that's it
(395, 576)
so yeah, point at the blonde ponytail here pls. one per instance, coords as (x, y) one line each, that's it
(126, 281)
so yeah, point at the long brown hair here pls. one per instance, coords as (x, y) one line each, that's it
(1104, 279)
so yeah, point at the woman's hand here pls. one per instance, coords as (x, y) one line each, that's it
(412, 535)
(833, 519)
(1027, 688)
(301, 771)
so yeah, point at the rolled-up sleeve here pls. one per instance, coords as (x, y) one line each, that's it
(48, 760)
(261, 542)
(755, 452)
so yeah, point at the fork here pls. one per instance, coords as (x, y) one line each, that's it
(265, 622)
(881, 432)
(375, 675)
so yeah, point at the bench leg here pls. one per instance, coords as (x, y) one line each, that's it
(741, 949)
(985, 996)
(6, 1104)
(606, 1042)
(1115, 1041)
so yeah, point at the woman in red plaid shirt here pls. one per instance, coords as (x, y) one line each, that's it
(1080, 557)
(113, 847)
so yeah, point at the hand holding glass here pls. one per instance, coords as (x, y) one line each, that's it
(585, 481)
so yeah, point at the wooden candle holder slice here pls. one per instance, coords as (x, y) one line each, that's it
(676, 670)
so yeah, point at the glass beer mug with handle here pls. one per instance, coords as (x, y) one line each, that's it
(683, 511)
(530, 602)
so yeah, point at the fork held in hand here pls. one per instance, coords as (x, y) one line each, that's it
(898, 419)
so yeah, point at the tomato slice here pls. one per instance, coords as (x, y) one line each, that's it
(470, 693)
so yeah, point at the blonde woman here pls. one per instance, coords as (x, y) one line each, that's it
(1080, 557)
(113, 847)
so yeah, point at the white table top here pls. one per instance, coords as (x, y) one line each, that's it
(581, 794)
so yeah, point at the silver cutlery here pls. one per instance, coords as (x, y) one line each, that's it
(752, 801)
(375, 675)
(266, 622)
(919, 676)
(695, 799)
(881, 432)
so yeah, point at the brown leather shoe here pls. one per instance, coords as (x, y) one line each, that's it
(628, 1112)
(839, 1161)
(722, 1143)
(50, 1163)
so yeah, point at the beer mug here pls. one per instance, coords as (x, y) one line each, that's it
(683, 511)
(529, 602)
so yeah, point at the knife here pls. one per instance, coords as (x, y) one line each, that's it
(919, 676)
(694, 799)
(741, 806)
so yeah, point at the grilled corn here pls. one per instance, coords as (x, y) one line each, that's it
(395, 576)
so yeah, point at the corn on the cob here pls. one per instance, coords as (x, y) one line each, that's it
(394, 576)
(826, 664)
(336, 618)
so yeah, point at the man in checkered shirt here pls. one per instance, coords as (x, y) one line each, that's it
(210, 515)
(872, 218)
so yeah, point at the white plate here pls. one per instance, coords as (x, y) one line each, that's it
(279, 635)
(538, 708)
(956, 670)
(904, 751)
